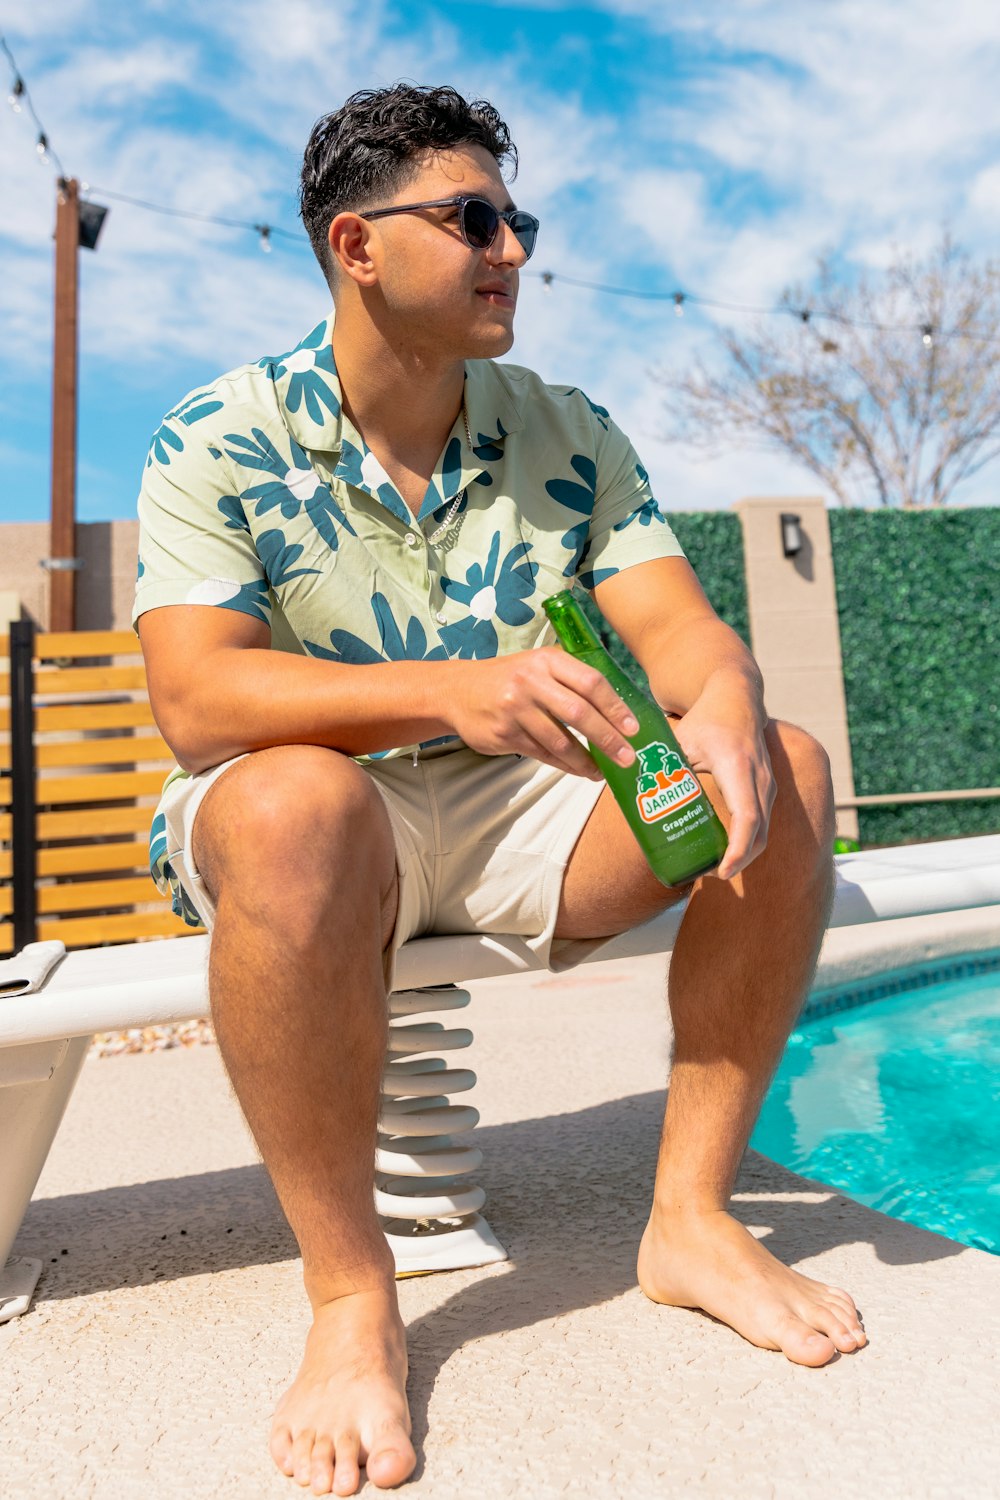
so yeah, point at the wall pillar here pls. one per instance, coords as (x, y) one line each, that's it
(795, 631)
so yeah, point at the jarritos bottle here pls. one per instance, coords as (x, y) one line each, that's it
(675, 824)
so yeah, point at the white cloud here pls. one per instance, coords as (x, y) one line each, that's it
(791, 129)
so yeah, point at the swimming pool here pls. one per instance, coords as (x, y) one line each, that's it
(891, 1091)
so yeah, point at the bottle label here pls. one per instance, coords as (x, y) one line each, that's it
(664, 782)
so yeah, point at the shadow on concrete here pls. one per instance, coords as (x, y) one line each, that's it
(568, 1195)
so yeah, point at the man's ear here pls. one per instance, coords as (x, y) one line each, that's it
(350, 238)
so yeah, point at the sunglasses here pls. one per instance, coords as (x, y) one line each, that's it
(478, 221)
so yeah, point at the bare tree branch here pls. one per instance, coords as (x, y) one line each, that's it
(887, 389)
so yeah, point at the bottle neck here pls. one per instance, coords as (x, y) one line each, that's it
(575, 632)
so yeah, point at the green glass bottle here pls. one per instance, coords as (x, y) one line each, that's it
(675, 824)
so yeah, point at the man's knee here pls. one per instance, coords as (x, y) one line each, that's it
(295, 819)
(800, 761)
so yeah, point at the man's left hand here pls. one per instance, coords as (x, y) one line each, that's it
(727, 741)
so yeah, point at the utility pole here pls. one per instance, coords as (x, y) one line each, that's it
(78, 226)
(62, 561)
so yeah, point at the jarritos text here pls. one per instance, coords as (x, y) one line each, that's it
(664, 782)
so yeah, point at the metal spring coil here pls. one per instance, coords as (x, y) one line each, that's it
(421, 1172)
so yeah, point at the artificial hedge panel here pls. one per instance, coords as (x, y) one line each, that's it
(713, 543)
(918, 594)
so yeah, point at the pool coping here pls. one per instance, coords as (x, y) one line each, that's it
(920, 974)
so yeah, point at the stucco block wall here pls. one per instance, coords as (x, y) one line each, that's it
(105, 584)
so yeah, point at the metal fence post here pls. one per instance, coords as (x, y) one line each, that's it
(23, 790)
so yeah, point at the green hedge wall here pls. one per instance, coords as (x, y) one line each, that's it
(918, 595)
(713, 542)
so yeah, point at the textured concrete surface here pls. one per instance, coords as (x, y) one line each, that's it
(162, 1337)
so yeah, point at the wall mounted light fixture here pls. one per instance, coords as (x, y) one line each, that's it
(791, 534)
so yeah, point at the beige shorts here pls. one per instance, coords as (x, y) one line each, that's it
(482, 843)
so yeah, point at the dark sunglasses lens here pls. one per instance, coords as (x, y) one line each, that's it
(481, 223)
(525, 227)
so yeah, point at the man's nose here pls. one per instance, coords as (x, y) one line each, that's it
(506, 249)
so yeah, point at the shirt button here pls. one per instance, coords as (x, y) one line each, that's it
(440, 617)
(411, 540)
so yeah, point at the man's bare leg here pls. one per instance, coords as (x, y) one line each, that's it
(740, 969)
(295, 846)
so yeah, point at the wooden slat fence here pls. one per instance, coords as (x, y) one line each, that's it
(81, 767)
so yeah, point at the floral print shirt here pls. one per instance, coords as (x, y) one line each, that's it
(259, 495)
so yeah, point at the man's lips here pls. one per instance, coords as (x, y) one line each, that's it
(498, 293)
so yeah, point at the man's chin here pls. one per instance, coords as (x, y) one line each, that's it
(490, 343)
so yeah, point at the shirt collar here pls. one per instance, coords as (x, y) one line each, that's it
(309, 396)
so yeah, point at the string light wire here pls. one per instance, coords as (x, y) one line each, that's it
(20, 97)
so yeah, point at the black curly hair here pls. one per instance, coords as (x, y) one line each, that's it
(370, 147)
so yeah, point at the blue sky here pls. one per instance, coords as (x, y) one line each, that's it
(717, 147)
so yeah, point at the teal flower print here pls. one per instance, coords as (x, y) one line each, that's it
(228, 593)
(250, 599)
(591, 579)
(451, 469)
(363, 470)
(350, 648)
(579, 498)
(141, 570)
(164, 875)
(490, 593)
(486, 448)
(600, 412)
(164, 440)
(312, 375)
(231, 507)
(646, 514)
(196, 406)
(293, 486)
(279, 557)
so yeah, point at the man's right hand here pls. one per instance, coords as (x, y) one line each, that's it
(522, 704)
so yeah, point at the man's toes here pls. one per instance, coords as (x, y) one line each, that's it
(347, 1473)
(804, 1344)
(388, 1466)
(302, 1449)
(281, 1449)
(321, 1469)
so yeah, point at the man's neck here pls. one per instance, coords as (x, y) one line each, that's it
(403, 404)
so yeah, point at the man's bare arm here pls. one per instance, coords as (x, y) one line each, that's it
(661, 613)
(217, 690)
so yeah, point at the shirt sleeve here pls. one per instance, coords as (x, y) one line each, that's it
(195, 545)
(627, 526)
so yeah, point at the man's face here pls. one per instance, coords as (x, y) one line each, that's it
(443, 299)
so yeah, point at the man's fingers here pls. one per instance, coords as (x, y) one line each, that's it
(586, 682)
(548, 741)
(596, 712)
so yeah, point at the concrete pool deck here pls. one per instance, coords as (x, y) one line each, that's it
(158, 1344)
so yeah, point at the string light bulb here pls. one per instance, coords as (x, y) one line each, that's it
(547, 280)
(678, 304)
(42, 147)
(16, 94)
(264, 230)
(805, 315)
(927, 330)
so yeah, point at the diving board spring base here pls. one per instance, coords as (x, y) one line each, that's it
(428, 1207)
(18, 1279)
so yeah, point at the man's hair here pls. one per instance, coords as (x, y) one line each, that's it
(365, 151)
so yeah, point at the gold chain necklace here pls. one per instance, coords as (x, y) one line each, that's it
(455, 505)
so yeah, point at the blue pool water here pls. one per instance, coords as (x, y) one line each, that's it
(896, 1100)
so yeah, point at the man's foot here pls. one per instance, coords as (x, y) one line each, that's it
(708, 1260)
(347, 1406)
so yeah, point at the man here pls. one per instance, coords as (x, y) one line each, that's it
(344, 554)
